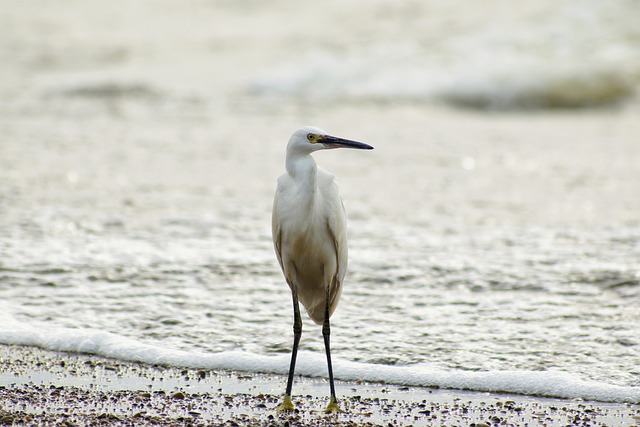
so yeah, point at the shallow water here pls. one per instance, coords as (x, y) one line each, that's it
(139, 162)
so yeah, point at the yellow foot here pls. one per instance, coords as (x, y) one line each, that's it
(333, 407)
(286, 405)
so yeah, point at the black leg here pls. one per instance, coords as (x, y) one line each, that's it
(297, 333)
(326, 334)
(287, 405)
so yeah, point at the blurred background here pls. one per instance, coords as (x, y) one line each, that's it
(495, 226)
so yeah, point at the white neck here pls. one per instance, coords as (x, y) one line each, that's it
(303, 169)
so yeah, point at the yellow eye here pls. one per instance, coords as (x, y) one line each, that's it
(311, 137)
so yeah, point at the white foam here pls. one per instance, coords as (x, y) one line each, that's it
(572, 57)
(549, 384)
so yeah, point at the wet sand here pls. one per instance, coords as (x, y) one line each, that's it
(40, 387)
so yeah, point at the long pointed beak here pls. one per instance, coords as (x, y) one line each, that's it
(335, 142)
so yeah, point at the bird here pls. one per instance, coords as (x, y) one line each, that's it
(309, 230)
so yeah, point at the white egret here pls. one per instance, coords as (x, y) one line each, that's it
(309, 227)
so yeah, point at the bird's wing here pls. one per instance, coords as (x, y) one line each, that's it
(276, 231)
(337, 229)
(336, 220)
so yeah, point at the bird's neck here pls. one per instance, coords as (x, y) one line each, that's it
(303, 169)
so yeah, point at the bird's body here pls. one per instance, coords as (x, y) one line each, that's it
(309, 227)
(311, 231)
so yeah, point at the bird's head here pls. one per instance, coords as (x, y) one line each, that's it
(308, 139)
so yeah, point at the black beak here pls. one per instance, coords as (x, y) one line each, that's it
(335, 142)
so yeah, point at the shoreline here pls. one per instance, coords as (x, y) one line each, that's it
(41, 386)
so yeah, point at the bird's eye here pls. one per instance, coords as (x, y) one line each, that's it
(311, 137)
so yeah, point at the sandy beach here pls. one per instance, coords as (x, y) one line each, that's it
(41, 387)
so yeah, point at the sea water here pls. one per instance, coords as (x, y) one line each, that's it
(494, 230)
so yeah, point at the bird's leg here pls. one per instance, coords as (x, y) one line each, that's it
(326, 332)
(287, 404)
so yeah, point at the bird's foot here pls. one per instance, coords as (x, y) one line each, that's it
(333, 407)
(286, 405)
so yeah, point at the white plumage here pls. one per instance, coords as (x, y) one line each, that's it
(309, 227)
